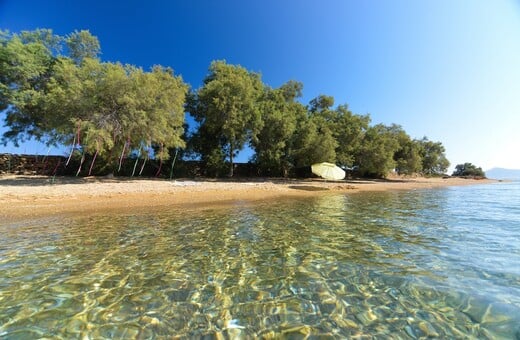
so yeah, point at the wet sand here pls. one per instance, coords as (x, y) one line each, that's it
(24, 197)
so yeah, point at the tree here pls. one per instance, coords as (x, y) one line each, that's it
(44, 36)
(158, 114)
(321, 104)
(376, 154)
(312, 142)
(468, 169)
(407, 157)
(434, 161)
(226, 107)
(82, 45)
(28, 63)
(108, 109)
(280, 113)
(348, 130)
(205, 145)
(25, 68)
(210, 150)
(112, 109)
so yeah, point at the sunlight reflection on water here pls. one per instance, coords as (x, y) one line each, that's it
(406, 264)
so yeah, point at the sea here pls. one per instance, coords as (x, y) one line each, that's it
(436, 263)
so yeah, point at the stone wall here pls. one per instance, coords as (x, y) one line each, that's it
(55, 165)
(30, 164)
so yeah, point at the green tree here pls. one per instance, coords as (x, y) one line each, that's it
(161, 95)
(376, 154)
(89, 102)
(81, 45)
(347, 128)
(321, 104)
(312, 142)
(112, 109)
(43, 36)
(468, 169)
(210, 150)
(28, 63)
(25, 68)
(434, 161)
(407, 157)
(226, 107)
(108, 108)
(280, 112)
(204, 144)
(348, 131)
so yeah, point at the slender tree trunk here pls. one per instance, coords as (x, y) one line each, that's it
(231, 159)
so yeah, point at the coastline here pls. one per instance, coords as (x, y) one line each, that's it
(26, 197)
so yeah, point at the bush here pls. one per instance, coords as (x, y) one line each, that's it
(468, 169)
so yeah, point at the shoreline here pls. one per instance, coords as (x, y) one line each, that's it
(27, 197)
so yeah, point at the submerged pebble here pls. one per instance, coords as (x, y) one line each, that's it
(369, 266)
(297, 332)
(366, 317)
(410, 332)
(428, 329)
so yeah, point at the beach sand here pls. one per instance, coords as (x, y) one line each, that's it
(25, 197)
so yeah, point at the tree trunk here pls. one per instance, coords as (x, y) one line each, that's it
(231, 160)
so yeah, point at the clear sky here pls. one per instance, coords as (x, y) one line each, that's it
(445, 69)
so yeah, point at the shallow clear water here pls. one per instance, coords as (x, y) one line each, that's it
(400, 265)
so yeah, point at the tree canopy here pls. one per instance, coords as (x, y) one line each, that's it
(57, 90)
(104, 108)
(468, 169)
(226, 106)
(433, 157)
(280, 114)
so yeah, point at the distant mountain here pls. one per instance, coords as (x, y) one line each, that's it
(501, 173)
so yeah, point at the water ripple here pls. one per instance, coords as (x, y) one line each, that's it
(437, 263)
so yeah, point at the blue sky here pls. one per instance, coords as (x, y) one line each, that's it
(449, 70)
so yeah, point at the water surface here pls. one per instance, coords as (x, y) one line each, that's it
(405, 265)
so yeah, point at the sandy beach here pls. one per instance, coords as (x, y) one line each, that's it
(35, 196)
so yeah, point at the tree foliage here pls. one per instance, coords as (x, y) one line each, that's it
(118, 108)
(82, 45)
(226, 107)
(376, 154)
(25, 69)
(280, 113)
(468, 169)
(407, 157)
(108, 109)
(348, 130)
(313, 142)
(56, 89)
(434, 161)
